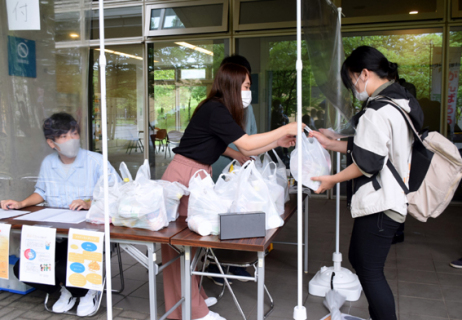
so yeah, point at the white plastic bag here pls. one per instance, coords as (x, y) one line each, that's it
(142, 203)
(205, 205)
(96, 212)
(276, 191)
(281, 175)
(315, 162)
(233, 167)
(125, 173)
(173, 192)
(253, 195)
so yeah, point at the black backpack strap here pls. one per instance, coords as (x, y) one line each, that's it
(397, 176)
(417, 138)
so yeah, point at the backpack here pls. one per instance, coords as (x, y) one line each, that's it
(436, 170)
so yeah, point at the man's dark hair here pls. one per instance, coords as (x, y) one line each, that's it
(237, 59)
(58, 124)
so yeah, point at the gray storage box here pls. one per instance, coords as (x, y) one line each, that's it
(242, 225)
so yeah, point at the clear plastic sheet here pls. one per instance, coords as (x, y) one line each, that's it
(323, 37)
(58, 82)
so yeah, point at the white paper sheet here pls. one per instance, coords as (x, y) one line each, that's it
(4, 250)
(55, 215)
(5, 214)
(23, 14)
(38, 245)
(85, 259)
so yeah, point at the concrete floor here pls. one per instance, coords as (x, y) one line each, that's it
(424, 285)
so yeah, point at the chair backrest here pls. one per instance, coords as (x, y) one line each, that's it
(161, 134)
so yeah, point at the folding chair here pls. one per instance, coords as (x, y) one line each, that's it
(232, 258)
(115, 246)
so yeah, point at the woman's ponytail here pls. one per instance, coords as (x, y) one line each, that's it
(392, 71)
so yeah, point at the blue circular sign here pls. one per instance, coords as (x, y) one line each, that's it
(88, 246)
(77, 267)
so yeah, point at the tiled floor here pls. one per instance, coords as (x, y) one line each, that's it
(424, 285)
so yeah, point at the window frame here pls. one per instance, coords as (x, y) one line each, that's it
(438, 15)
(184, 31)
(257, 26)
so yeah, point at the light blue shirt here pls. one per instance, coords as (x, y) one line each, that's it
(223, 161)
(59, 188)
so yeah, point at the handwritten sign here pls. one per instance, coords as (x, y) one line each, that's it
(23, 14)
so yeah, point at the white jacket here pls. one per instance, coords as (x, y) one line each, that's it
(382, 134)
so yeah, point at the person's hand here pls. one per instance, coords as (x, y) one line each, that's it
(327, 183)
(292, 128)
(79, 205)
(286, 141)
(242, 158)
(323, 140)
(10, 204)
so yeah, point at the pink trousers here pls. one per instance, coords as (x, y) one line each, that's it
(181, 169)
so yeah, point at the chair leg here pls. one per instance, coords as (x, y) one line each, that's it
(271, 303)
(203, 268)
(45, 303)
(224, 287)
(236, 302)
(121, 271)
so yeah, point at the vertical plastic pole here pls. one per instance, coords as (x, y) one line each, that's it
(102, 68)
(337, 256)
(299, 310)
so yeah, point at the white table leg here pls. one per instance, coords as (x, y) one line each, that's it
(261, 284)
(187, 284)
(152, 281)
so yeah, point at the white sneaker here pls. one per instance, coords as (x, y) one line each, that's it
(88, 304)
(216, 316)
(211, 316)
(65, 301)
(210, 301)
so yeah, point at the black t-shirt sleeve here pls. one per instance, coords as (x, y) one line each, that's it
(223, 125)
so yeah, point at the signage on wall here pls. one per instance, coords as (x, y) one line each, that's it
(23, 14)
(21, 57)
(455, 54)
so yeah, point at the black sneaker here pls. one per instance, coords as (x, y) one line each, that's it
(456, 264)
(218, 281)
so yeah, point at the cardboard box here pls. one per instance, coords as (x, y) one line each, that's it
(242, 225)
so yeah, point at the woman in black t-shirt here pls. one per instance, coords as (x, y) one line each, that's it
(217, 122)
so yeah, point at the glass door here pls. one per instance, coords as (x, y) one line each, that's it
(180, 75)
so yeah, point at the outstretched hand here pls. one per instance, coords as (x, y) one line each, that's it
(287, 141)
(327, 183)
(323, 140)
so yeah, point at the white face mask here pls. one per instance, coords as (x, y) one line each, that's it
(361, 96)
(246, 98)
(70, 148)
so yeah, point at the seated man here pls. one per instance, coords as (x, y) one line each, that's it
(66, 180)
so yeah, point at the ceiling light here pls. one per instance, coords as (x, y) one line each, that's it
(74, 35)
(190, 46)
(414, 12)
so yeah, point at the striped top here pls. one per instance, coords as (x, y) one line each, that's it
(59, 187)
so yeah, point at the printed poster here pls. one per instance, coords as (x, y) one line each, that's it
(38, 245)
(85, 259)
(4, 250)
